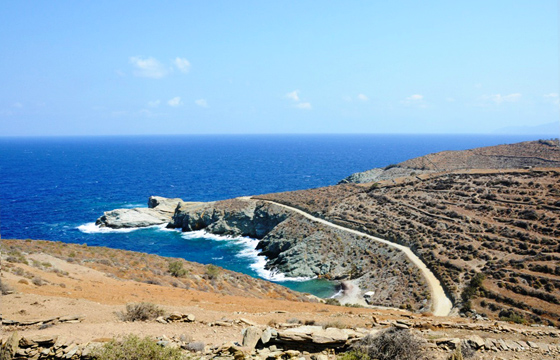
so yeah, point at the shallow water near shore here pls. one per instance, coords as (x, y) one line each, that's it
(55, 188)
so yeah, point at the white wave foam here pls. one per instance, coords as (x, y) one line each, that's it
(163, 227)
(92, 228)
(249, 252)
(338, 294)
(132, 206)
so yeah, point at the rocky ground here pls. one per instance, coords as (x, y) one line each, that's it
(300, 247)
(74, 309)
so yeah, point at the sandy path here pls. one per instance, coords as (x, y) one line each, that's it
(441, 304)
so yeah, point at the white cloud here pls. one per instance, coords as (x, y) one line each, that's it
(498, 98)
(304, 105)
(362, 97)
(553, 98)
(415, 97)
(154, 103)
(415, 100)
(294, 95)
(201, 102)
(176, 101)
(148, 67)
(18, 105)
(182, 64)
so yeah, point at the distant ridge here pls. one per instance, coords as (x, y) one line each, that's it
(541, 153)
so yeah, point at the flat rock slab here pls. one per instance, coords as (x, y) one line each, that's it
(314, 334)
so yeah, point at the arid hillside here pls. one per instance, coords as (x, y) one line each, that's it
(491, 236)
(140, 267)
(60, 302)
(542, 153)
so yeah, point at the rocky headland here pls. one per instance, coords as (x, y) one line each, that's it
(301, 247)
(160, 210)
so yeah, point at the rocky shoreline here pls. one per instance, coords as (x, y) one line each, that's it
(299, 247)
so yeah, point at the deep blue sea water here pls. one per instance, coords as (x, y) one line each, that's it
(55, 188)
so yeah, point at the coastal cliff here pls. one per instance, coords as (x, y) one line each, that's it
(299, 247)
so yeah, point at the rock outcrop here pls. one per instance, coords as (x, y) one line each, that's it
(299, 247)
(235, 217)
(159, 211)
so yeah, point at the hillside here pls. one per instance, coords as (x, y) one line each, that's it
(503, 224)
(543, 153)
(140, 267)
(61, 301)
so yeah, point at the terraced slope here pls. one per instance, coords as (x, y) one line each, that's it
(542, 153)
(492, 237)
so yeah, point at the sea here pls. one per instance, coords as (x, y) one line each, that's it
(54, 188)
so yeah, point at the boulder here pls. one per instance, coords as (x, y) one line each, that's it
(251, 336)
(10, 347)
(163, 204)
(188, 318)
(268, 334)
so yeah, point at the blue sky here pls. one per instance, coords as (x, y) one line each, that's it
(228, 67)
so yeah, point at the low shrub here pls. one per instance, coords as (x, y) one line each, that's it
(511, 316)
(140, 312)
(5, 288)
(212, 272)
(353, 355)
(391, 344)
(176, 269)
(134, 348)
(332, 301)
(334, 324)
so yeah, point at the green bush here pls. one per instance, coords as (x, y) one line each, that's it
(332, 301)
(134, 348)
(176, 269)
(472, 290)
(353, 355)
(511, 316)
(140, 312)
(212, 272)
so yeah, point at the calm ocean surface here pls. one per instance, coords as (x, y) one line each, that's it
(55, 188)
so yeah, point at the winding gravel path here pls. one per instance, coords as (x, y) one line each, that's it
(441, 304)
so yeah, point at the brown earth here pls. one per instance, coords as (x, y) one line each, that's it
(75, 287)
(507, 156)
